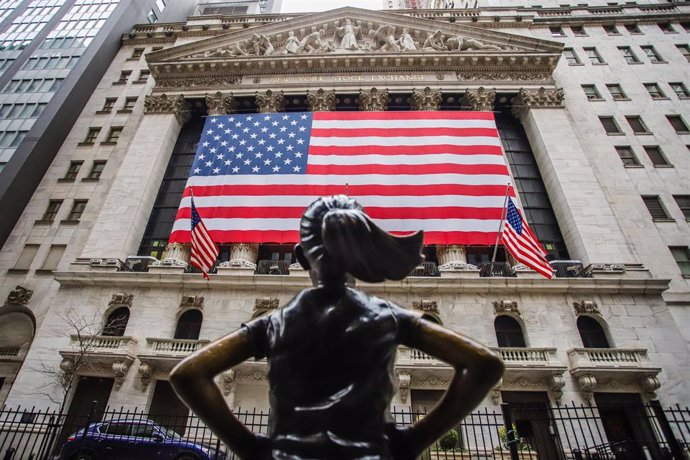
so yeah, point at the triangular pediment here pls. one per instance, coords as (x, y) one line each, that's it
(352, 38)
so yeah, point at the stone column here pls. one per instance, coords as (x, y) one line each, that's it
(242, 256)
(122, 219)
(270, 102)
(426, 99)
(590, 229)
(220, 104)
(321, 100)
(480, 99)
(373, 100)
(453, 258)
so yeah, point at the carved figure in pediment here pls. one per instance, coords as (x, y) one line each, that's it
(434, 42)
(291, 44)
(406, 41)
(261, 45)
(384, 38)
(460, 43)
(348, 34)
(236, 49)
(314, 43)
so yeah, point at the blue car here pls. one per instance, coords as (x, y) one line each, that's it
(133, 440)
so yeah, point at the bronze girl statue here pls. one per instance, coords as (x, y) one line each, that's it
(331, 352)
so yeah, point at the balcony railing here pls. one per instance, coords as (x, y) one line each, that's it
(496, 269)
(102, 343)
(608, 357)
(174, 346)
(569, 269)
(426, 269)
(272, 267)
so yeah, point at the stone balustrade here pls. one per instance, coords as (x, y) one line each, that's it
(607, 357)
(179, 347)
(527, 356)
(103, 343)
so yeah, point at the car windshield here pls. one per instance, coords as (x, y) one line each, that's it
(170, 433)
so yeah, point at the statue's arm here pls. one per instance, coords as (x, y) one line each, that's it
(477, 370)
(192, 379)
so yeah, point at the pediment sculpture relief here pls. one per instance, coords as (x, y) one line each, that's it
(351, 36)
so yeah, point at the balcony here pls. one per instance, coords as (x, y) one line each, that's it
(11, 354)
(99, 355)
(531, 363)
(164, 354)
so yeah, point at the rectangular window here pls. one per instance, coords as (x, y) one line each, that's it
(53, 258)
(677, 123)
(26, 257)
(557, 32)
(39, 109)
(651, 54)
(96, 170)
(51, 211)
(682, 256)
(91, 135)
(578, 31)
(72, 170)
(593, 56)
(656, 155)
(137, 53)
(666, 27)
(637, 125)
(591, 92)
(627, 156)
(633, 29)
(685, 51)
(654, 91)
(76, 211)
(129, 104)
(617, 93)
(680, 90)
(685, 26)
(628, 55)
(610, 29)
(571, 57)
(108, 104)
(113, 135)
(124, 76)
(683, 202)
(151, 17)
(161, 5)
(655, 208)
(143, 76)
(610, 125)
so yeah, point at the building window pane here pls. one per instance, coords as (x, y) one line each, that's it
(26, 257)
(51, 211)
(633, 29)
(593, 56)
(677, 123)
(53, 258)
(666, 27)
(77, 210)
(637, 125)
(113, 134)
(151, 17)
(616, 92)
(137, 53)
(655, 208)
(610, 125)
(116, 322)
(656, 156)
(130, 102)
(39, 109)
(610, 29)
(578, 31)
(91, 135)
(685, 51)
(161, 5)
(591, 92)
(680, 90)
(143, 76)
(654, 91)
(682, 256)
(73, 170)
(627, 156)
(108, 104)
(628, 55)
(189, 325)
(124, 76)
(509, 332)
(651, 54)
(571, 57)
(96, 170)
(683, 202)
(591, 333)
(557, 32)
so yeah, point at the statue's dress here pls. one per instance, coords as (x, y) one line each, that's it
(349, 41)
(330, 367)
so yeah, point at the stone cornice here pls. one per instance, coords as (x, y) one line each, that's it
(542, 98)
(164, 104)
(424, 287)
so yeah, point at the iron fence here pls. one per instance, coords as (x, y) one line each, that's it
(518, 431)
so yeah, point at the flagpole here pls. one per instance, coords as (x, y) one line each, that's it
(500, 226)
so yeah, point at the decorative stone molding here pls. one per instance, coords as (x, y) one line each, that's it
(426, 99)
(504, 76)
(172, 263)
(373, 100)
(649, 385)
(107, 263)
(242, 256)
(19, 296)
(238, 264)
(195, 82)
(404, 380)
(542, 98)
(521, 268)
(120, 369)
(67, 368)
(453, 258)
(587, 383)
(427, 306)
(192, 301)
(295, 266)
(586, 307)
(430, 383)
(176, 255)
(251, 376)
(495, 393)
(556, 384)
(167, 104)
(506, 306)
(263, 305)
(220, 104)
(480, 99)
(121, 300)
(321, 100)
(618, 269)
(228, 382)
(457, 267)
(146, 371)
(270, 101)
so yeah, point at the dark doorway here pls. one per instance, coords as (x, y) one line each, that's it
(189, 325)
(90, 394)
(627, 427)
(167, 409)
(530, 411)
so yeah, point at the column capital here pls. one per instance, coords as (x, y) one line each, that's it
(541, 98)
(270, 101)
(321, 100)
(220, 104)
(426, 99)
(160, 104)
(480, 99)
(373, 100)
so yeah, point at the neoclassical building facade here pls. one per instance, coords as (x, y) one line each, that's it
(100, 306)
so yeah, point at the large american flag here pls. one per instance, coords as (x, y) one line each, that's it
(522, 243)
(441, 172)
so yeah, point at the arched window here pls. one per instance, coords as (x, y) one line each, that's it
(508, 332)
(116, 323)
(189, 325)
(591, 332)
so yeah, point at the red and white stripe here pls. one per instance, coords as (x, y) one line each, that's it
(526, 249)
(204, 252)
(441, 172)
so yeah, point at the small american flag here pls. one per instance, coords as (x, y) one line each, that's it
(441, 172)
(522, 244)
(204, 251)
